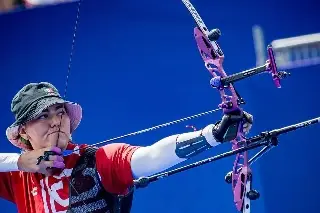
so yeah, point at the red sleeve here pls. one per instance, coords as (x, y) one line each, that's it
(114, 166)
(6, 191)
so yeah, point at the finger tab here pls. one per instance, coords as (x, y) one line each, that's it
(56, 158)
(58, 164)
(56, 150)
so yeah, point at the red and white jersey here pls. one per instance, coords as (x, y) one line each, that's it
(35, 193)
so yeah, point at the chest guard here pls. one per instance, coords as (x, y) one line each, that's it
(86, 193)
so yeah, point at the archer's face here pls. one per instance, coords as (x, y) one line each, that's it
(43, 131)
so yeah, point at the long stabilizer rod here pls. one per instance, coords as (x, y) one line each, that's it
(268, 138)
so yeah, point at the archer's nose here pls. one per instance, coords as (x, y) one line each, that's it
(56, 120)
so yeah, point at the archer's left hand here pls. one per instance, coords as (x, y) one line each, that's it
(227, 128)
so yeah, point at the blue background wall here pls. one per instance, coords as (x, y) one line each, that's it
(136, 65)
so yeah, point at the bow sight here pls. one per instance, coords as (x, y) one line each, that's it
(209, 42)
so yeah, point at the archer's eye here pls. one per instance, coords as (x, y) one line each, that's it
(43, 116)
(62, 112)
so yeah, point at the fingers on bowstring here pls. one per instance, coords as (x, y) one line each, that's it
(55, 149)
(56, 158)
(53, 164)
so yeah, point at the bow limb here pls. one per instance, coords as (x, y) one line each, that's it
(230, 101)
(213, 58)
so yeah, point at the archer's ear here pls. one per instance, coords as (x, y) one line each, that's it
(22, 133)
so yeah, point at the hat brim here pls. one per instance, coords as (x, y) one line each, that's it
(74, 112)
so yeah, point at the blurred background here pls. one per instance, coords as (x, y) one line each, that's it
(136, 65)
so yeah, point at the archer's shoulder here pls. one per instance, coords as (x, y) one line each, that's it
(112, 149)
(74, 147)
(117, 148)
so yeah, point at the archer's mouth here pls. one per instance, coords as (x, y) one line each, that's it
(56, 132)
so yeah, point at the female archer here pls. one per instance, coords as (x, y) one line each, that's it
(88, 179)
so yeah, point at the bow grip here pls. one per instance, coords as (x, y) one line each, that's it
(227, 128)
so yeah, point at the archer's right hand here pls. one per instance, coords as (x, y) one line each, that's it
(27, 161)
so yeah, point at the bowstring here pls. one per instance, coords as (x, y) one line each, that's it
(119, 137)
(150, 129)
(67, 80)
(129, 134)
